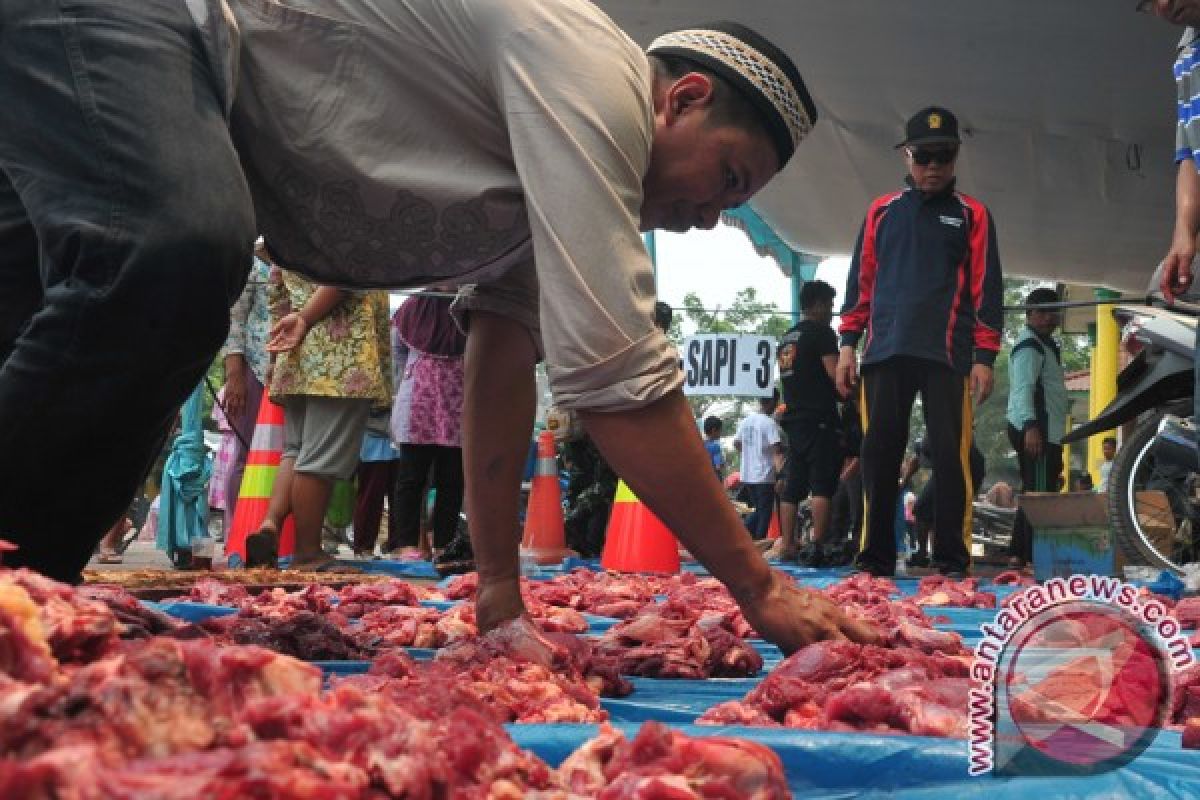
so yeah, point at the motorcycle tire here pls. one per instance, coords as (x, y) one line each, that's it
(1122, 514)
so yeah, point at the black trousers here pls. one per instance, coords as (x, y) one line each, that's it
(889, 390)
(415, 461)
(125, 235)
(1037, 475)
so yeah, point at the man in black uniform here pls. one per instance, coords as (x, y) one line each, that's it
(807, 358)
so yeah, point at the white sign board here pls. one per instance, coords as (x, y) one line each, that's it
(717, 363)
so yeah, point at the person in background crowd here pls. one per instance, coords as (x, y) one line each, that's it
(807, 358)
(1109, 448)
(925, 507)
(334, 365)
(218, 483)
(757, 439)
(427, 418)
(591, 485)
(1176, 269)
(494, 143)
(926, 290)
(247, 370)
(1037, 410)
(847, 503)
(712, 443)
(378, 467)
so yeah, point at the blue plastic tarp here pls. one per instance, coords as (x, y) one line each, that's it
(191, 612)
(859, 765)
(397, 569)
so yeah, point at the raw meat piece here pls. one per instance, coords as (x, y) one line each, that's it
(1187, 611)
(138, 621)
(358, 599)
(462, 587)
(401, 626)
(923, 708)
(846, 686)
(938, 590)
(1012, 578)
(301, 634)
(217, 593)
(735, 712)
(662, 763)
(673, 640)
(929, 640)
(1191, 733)
(153, 698)
(24, 652)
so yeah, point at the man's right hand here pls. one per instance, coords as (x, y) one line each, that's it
(1176, 276)
(1033, 442)
(497, 600)
(792, 617)
(847, 371)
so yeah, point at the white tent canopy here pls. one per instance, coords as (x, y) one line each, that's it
(1067, 109)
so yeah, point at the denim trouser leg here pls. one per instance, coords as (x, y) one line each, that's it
(1196, 377)
(125, 233)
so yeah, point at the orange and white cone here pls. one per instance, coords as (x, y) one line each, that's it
(637, 540)
(544, 538)
(254, 496)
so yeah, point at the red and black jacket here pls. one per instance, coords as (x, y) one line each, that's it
(925, 281)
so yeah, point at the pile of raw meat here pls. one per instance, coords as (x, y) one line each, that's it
(842, 686)
(359, 622)
(102, 699)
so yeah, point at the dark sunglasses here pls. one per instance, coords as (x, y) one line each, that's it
(926, 157)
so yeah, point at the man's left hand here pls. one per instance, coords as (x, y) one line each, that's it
(981, 383)
(792, 617)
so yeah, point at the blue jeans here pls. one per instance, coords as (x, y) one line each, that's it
(762, 496)
(125, 236)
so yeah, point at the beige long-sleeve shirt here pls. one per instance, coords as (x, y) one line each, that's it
(495, 144)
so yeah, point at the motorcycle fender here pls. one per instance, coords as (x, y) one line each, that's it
(1142, 387)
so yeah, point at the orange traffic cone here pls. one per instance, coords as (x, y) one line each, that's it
(637, 541)
(544, 538)
(254, 496)
(773, 531)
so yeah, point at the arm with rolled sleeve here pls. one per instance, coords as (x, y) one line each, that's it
(580, 141)
(575, 94)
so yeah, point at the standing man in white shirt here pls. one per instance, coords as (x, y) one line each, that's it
(757, 439)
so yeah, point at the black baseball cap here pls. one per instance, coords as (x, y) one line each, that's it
(931, 125)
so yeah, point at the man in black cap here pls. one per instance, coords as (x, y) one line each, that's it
(515, 147)
(925, 292)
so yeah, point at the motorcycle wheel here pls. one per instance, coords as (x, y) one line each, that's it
(1134, 470)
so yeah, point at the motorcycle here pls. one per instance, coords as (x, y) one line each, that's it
(1157, 459)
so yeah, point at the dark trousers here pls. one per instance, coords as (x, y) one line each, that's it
(415, 463)
(125, 236)
(1037, 475)
(762, 497)
(847, 509)
(376, 480)
(889, 389)
(244, 427)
